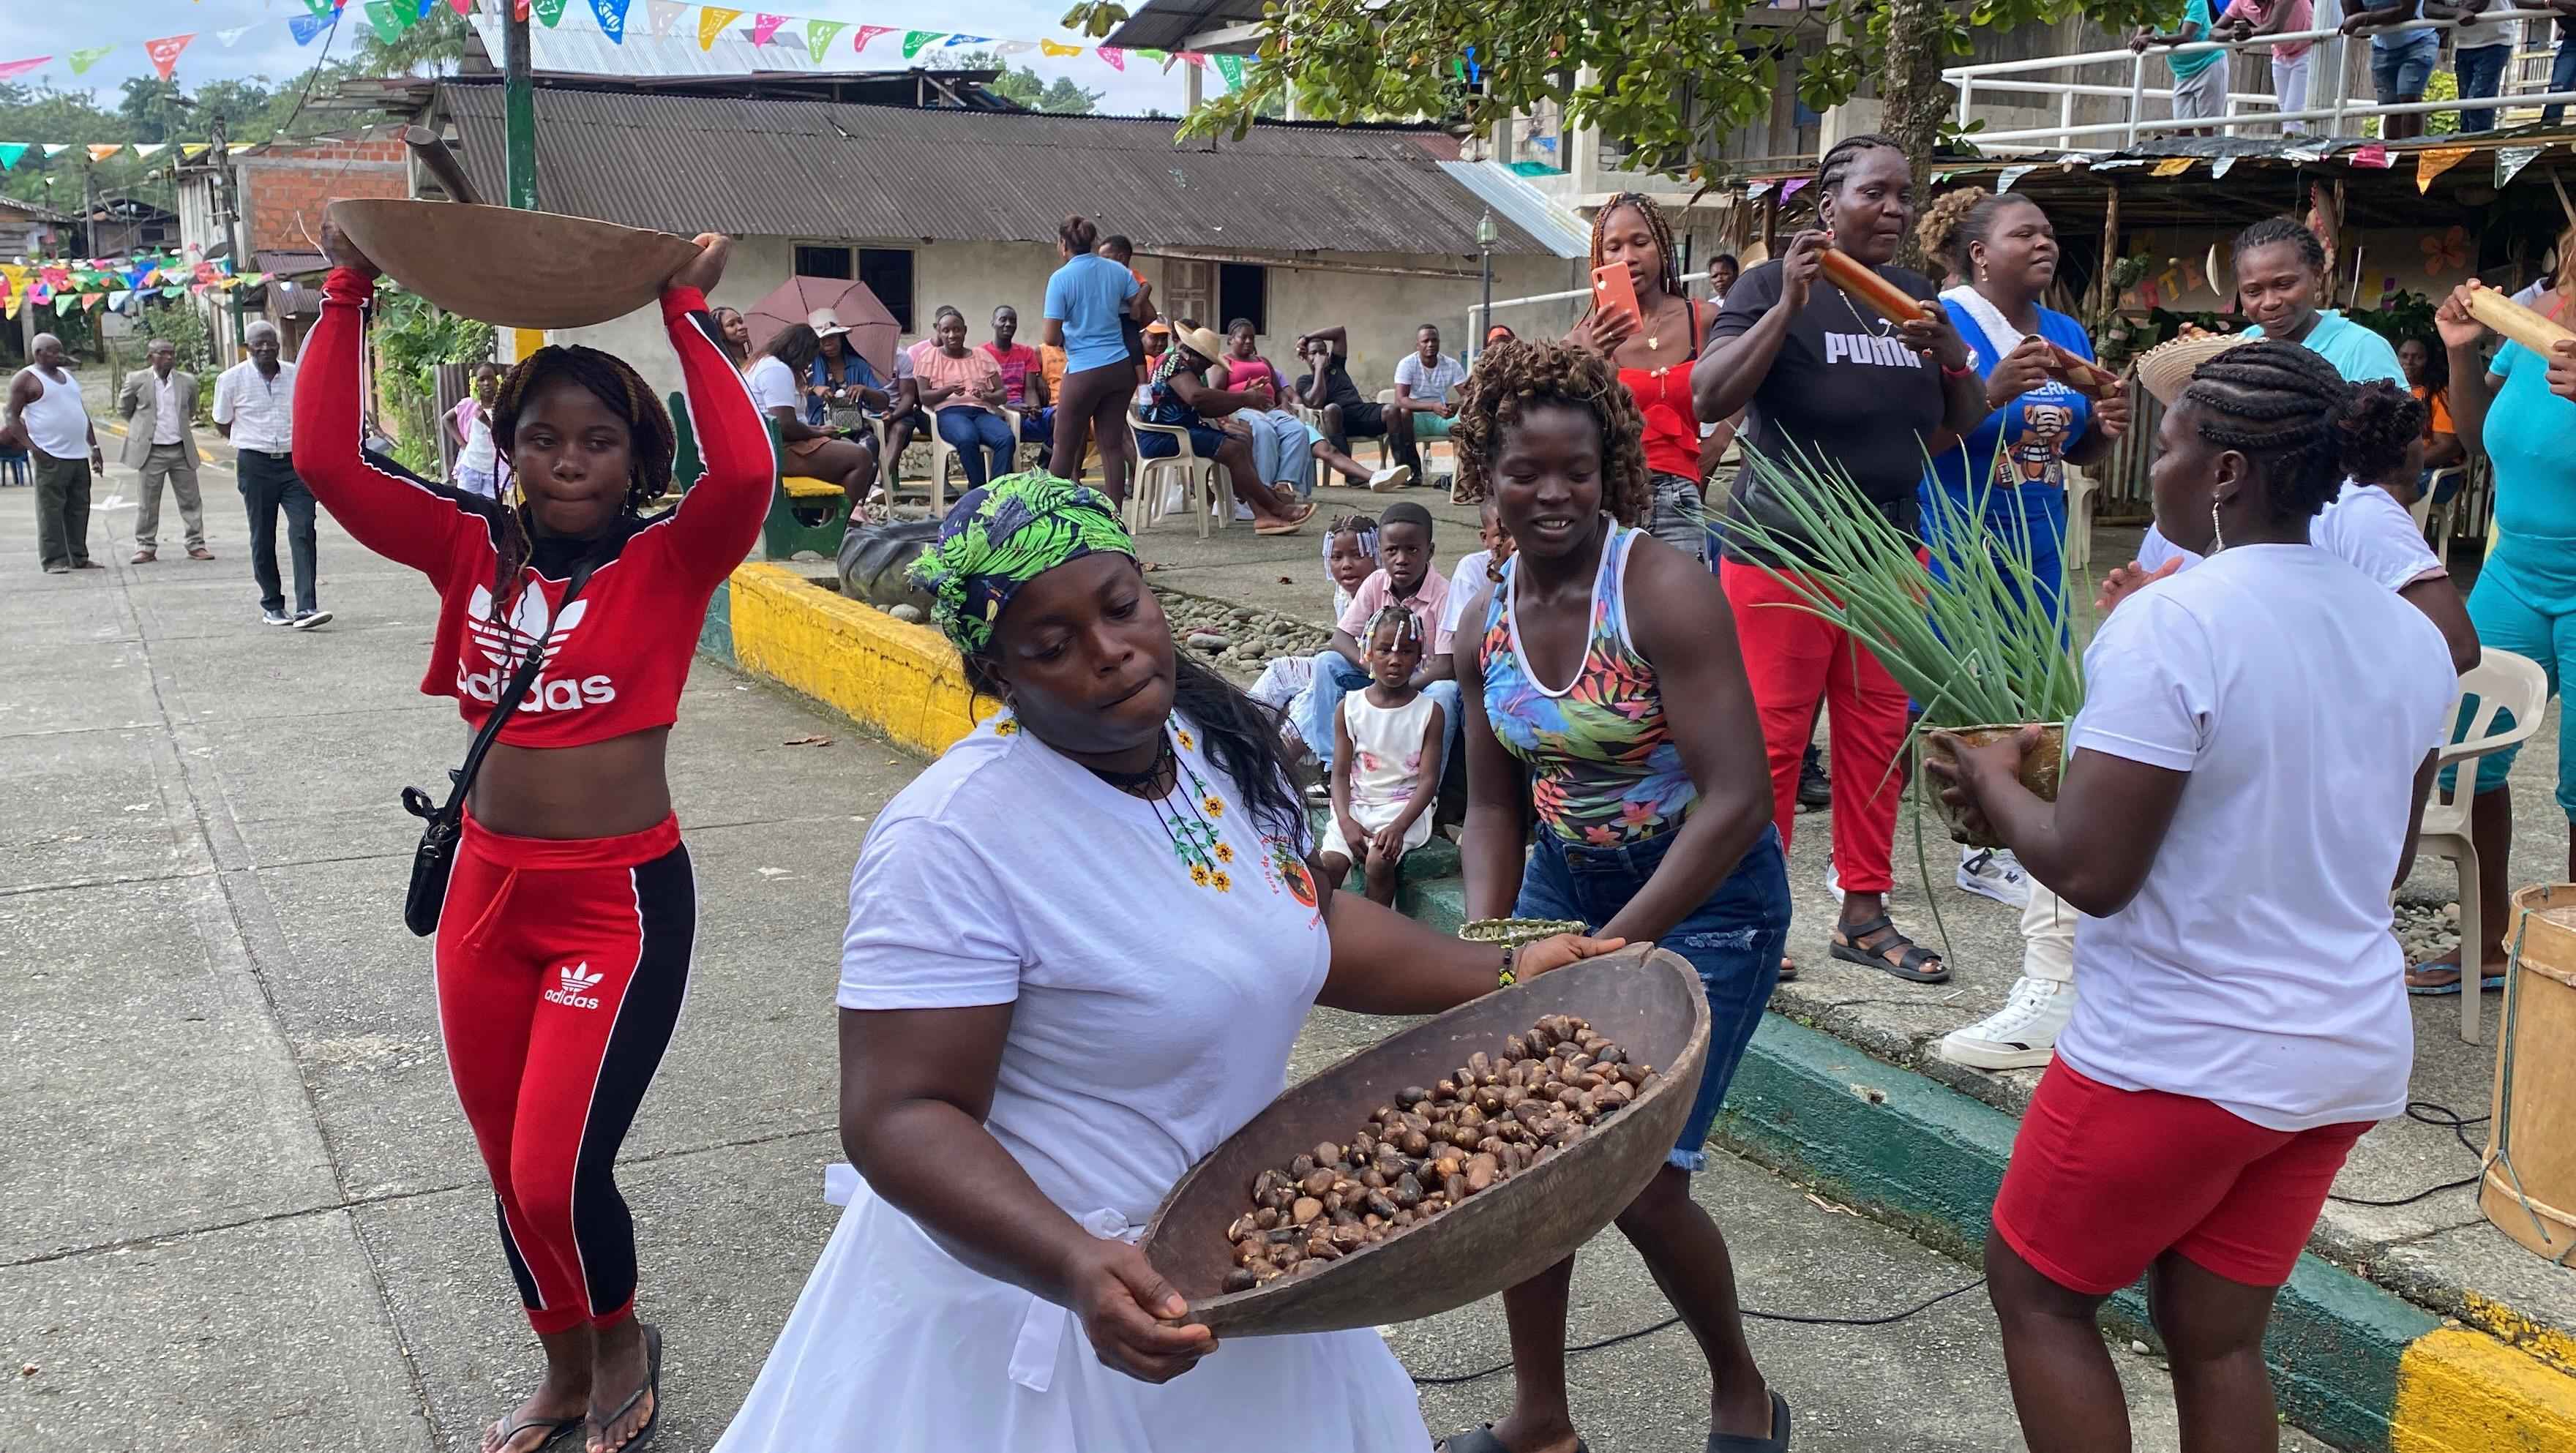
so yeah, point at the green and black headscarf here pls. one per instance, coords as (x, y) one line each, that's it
(1004, 535)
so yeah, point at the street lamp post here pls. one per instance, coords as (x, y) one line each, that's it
(1486, 236)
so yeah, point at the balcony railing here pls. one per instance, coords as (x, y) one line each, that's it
(2247, 111)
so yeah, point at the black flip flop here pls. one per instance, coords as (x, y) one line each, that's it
(1481, 1439)
(1778, 1442)
(556, 1428)
(1909, 964)
(652, 1384)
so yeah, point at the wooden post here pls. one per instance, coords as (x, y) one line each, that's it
(2109, 295)
(519, 110)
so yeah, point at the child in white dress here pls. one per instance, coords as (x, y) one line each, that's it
(1386, 759)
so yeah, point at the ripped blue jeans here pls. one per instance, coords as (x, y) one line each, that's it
(1734, 939)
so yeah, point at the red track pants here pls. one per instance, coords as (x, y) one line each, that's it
(561, 969)
(1793, 660)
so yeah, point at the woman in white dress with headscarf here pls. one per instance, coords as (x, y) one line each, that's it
(1080, 947)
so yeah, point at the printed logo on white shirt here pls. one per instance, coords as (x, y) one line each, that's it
(577, 984)
(505, 644)
(1870, 348)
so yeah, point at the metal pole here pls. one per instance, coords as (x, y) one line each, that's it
(1486, 312)
(519, 108)
(2137, 99)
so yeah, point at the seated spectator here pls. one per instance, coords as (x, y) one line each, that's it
(2428, 375)
(2401, 62)
(1158, 341)
(1405, 578)
(1024, 381)
(845, 457)
(1180, 394)
(1326, 388)
(1350, 558)
(962, 388)
(1424, 382)
(905, 416)
(2291, 62)
(2481, 52)
(2199, 77)
(838, 377)
(736, 335)
(1292, 441)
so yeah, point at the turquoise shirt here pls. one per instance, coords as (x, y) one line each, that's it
(2527, 435)
(2195, 26)
(2357, 353)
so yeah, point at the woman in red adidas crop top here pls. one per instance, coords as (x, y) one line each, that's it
(563, 947)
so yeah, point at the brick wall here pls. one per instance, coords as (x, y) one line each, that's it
(283, 193)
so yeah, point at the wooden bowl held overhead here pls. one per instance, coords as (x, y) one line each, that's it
(1647, 1000)
(513, 268)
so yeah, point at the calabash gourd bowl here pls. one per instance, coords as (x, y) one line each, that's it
(513, 268)
(1646, 999)
(2041, 768)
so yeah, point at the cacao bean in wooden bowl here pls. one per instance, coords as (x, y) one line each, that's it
(513, 268)
(1646, 999)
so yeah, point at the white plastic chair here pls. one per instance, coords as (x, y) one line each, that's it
(1313, 419)
(2436, 520)
(1195, 476)
(2501, 681)
(2081, 486)
(942, 452)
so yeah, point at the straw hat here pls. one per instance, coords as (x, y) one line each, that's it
(1207, 343)
(2166, 369)
(825, 323)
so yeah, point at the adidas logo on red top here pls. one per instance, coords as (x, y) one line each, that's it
(505, 644)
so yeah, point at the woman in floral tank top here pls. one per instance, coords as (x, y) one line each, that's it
(1653, 822)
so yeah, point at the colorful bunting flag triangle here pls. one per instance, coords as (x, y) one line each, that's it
(914, 40)
(764, 26)
(1231, 67)
(305, 27)
(1058, 48)
(2510, 160)
(712, 21)
(102, 150)
(865, 33)
(1116, 57)
(9, 69)
(82, 60)
(10, 151)
(2435, 160)
(819, 35)
(664, 14)
(546, 12)
(165, 52)
(612, 19)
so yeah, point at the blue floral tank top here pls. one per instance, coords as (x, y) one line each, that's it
(1604, 771)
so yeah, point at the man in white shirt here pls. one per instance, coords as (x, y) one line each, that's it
(255, 408)
(1424, 381)
(48, 420)
(157, 403)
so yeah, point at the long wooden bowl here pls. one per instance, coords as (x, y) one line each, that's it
(1646, 999)
(512, 268)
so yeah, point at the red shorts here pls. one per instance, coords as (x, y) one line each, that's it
(2104, 1181)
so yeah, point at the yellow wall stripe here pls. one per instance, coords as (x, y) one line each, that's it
(2460, 1391)
(904, 680)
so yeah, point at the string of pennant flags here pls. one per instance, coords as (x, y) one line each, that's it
(117, 283)
(663, 20)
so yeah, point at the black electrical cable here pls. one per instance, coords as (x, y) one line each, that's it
(1648, 1331)
(2422, 1112)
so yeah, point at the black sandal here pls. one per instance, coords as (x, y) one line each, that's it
(1481, 1439)
(1778, 1442)
(652, 1384)
(555, 1430)
(1849, 945)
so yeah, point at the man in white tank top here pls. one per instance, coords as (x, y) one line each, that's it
(48, 419)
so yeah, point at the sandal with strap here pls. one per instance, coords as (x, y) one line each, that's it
(652, 1384)
(555, 1428)
(1778, 1442)
(1481, 1439)
(1852, 945)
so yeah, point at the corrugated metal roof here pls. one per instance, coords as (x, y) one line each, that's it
(689, 164)
(1164, 24)
(1524, 206)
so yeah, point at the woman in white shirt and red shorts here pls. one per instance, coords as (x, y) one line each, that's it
(2241, 792)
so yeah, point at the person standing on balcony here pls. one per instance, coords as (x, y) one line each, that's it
(2401, 62)
(2291, 62)
(2199, 76)
(2010, 473)
(2562, 71)
(1863, 397)
(2481, 52)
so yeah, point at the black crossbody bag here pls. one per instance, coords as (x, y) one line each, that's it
(432, 861)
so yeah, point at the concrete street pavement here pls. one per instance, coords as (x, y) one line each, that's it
(238, 1206)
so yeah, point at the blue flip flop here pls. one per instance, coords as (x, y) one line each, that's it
(2489, 983)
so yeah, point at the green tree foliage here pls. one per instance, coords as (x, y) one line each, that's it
(1024, 87)
(1667, 82)
(434, 45)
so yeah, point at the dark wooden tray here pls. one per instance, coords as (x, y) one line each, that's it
(510, 268)
(1648, 1000)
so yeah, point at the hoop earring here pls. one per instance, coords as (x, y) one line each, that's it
(2217, 535)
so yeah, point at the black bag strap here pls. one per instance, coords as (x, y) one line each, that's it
(512, 694)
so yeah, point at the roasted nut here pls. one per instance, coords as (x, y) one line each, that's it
(1306, 1211)
(1407, 1193)
(1267, 1218)
(1241, 1279)
(1317, 1182)
(1610, 1054)
(1243, 1226)
(1250, 1252)
(1300, 1168)
(1411, 1095)
(1327, 1154)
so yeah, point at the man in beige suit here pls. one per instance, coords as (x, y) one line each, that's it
(157, 404)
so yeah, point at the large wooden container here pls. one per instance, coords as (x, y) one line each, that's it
(2529, 1187)
(1648, 1000)
(510, 268)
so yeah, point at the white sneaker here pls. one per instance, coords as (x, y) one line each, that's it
(1389, 480)
(1833, 878)
(1994, 873)
(2021, 1035)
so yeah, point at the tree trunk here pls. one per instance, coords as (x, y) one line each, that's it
(1914, 100)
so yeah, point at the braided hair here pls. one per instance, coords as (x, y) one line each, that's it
(650, 443)
(1960, 220)
(2285, 408)
(1514, 378)
(1836, 163)
(1656, 224)
(1408, 626)
(2270, 230)
(1360, 527)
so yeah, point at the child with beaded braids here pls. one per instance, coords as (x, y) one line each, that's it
(1388, 741)
(571, 909)
(2241, 792)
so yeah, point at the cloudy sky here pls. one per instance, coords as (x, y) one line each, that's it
(30, 28)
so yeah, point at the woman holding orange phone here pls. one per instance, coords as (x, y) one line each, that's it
(1650, 331)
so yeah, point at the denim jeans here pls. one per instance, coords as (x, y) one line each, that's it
(1734, 940)
(1280, 450)
(1335, 678)
(971, 431)
(2401, 67)
(2562, 77)
(2481, 74)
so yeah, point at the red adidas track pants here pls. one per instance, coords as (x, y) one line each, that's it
(561, 969)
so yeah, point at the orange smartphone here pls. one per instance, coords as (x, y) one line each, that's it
(1613, 288)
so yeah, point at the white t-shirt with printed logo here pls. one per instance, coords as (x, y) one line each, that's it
(2255, 968)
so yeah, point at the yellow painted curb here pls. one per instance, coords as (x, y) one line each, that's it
(2460, 1391)
(904, 680)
